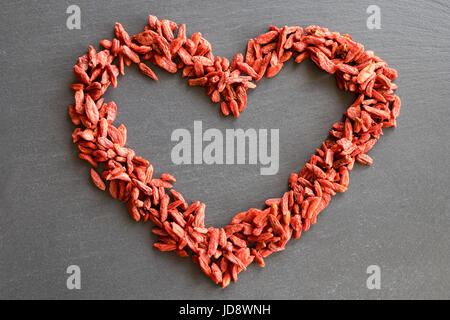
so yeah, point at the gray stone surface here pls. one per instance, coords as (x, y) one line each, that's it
(395, 214)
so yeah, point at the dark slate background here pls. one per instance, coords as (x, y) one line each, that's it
(395, 214)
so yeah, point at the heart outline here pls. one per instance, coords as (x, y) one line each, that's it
(254, 234)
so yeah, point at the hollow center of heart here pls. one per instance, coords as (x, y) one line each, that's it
(179, 130)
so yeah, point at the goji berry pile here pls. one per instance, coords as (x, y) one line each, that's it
(252, 235)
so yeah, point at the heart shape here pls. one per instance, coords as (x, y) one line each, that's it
(252, 235)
